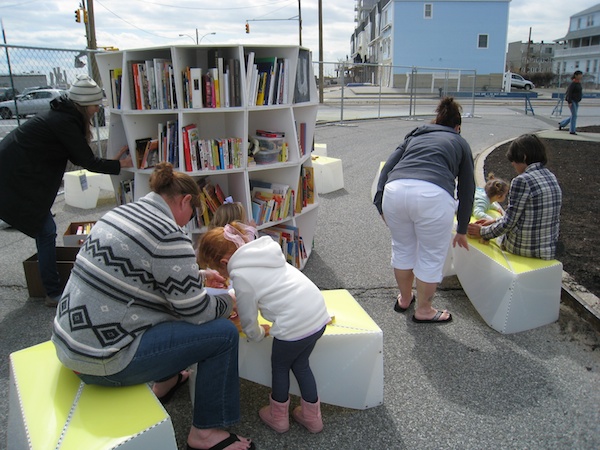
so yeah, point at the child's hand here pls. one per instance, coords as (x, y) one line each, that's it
(213, 279)
(267, 328)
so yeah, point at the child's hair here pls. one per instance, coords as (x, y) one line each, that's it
(495, 187)
(214, 244)
(228, 213)
(527, 149)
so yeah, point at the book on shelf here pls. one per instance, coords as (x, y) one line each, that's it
(187, 150)
(125, 192)
(150, 83)
(249, 75)
(196, 87)
(302, 86)
(140, 150)
(266, 70)
(150, 158)
(116, 76)
(302, 138)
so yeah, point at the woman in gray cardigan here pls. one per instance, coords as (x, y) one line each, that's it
(135, 310)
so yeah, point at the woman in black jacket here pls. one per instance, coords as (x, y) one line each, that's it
(33, 158)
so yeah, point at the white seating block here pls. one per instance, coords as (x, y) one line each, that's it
(50, 408)
(511, 293)
(347, 361)
(329, 174)
(82, 188)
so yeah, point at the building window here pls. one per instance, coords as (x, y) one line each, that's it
(428, 11)
(577, 64)
(482, 41)
(590, 20)
(595, 66)
(587, 66)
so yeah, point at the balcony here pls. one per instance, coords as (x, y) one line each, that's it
(586, 52)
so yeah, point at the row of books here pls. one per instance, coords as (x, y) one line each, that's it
(267, 80)
(215, 87)
(152, 84)
(271, 202)
(210, 154)
(211, 197)
(165, 147)
(290, 241)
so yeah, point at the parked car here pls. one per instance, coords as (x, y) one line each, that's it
(33, 103)
(27, 90)
(519, 82)
(7, 93)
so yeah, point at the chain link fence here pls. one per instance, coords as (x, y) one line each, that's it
(397, 90)
(24, 69)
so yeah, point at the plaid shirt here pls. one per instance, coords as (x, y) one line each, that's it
(531, 222)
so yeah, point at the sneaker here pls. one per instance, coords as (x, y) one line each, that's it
(559, 126)
(51, 302)
(572, 132)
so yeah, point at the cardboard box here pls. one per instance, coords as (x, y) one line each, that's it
(65, 257)
(71, 238)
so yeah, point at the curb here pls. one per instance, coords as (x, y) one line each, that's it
(587, 304)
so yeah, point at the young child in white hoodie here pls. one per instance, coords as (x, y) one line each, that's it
(263, 281)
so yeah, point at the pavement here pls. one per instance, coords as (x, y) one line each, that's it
(455, 386)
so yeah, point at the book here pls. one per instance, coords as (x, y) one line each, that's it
(196, 87)
(249, 74)
(150, 158)
(140, 150)
(151, 84)
(302, 86)
(187, 154)
(266, 70)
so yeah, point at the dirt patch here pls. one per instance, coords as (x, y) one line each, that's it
(575, 165)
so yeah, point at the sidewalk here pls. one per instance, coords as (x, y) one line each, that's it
(460, 386)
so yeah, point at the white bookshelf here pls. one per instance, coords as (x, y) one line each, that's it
(127, 124)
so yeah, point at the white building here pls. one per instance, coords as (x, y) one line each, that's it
(580, 48)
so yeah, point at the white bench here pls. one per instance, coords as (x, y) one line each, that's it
(51, 408)
(329, 174)
(347, 361)
(511, 293)
(82, 188)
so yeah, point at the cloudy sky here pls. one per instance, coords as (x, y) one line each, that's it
(142, 23)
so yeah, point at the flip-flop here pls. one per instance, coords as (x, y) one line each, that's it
(225, 443)
(180, 382)
(400, 309)
(434, 319)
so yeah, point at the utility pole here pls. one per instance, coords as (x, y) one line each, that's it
(528, 49)
(321, 81)
(299, 23)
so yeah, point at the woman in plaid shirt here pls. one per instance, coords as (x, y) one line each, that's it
(531, 223)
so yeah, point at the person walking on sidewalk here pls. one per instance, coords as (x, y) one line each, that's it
(573, 97)
(33, 158)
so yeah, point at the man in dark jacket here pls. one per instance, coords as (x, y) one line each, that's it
(573, 97)
(33, 159)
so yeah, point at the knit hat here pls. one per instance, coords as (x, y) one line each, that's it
(85, 91)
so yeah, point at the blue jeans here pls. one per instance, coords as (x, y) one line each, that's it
(574, 106)
(170, 347)
(45, 242)
(286, 355)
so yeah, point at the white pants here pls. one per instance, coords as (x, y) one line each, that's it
(420, 216)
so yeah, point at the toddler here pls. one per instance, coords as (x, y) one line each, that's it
(488, 198)
(263, 281)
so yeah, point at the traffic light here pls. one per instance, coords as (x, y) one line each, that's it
(78, 15)
(247, 28)
(85, 16)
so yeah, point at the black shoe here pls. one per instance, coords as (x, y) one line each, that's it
(572, 132)
(559, 126)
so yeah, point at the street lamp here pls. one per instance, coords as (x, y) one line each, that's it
(197, 41)
(181, 35)
(207, 34)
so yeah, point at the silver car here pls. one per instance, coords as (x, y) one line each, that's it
(32, 103)
(519, 82)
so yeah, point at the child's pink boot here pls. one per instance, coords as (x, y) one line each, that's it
(309, 415)
(276, 415)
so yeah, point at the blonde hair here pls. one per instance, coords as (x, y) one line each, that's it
(228, 213)
(214, 246)
(495, 187)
